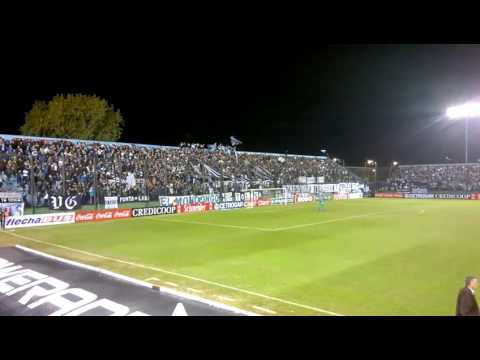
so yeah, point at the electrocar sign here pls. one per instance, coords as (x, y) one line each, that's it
(229, 205)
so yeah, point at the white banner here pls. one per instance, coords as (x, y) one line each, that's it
(39, 220)
(12, 209)
(111, 202)
(329, 188)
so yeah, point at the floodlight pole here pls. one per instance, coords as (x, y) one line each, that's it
(466, 140)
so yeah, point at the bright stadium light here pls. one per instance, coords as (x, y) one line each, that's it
(395, 163)
(468, 110)
(465, 112)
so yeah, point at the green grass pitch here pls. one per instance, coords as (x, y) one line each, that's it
(358, 257)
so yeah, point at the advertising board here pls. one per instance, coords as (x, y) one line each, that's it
(102, 215)
(13, 222)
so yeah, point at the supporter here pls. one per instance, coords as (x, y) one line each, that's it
(41, 168)
(449, 177)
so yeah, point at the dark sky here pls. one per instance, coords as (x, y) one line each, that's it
(358, 101)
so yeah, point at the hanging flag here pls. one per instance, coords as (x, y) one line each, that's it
(234, 141)
(211, 171)
(212, 147)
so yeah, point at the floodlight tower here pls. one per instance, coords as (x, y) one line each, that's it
(466, 112)
(373, 163)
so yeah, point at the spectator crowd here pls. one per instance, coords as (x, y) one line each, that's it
(40, 168)
(447, 177)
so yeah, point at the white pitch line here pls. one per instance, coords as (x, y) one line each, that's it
(273, 229)
(138, 282)
(212, 224)
(253, 293)
(195, 290)
(170, 283)
(328, 221)
(225, 298)
(263, 309)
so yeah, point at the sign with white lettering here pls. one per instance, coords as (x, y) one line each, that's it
(33, 283)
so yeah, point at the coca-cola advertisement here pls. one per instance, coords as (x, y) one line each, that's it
(102, 215)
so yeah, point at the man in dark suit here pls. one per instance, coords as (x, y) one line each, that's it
(466, 302)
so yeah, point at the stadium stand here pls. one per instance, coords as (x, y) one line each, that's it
(41, 167)
(431, 178)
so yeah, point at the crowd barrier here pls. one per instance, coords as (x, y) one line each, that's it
(438, 196)
(168, 205)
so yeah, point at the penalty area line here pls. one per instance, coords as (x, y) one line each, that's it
(214, 283)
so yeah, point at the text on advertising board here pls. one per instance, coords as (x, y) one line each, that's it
(39, 220)
(101, 215)
(158, 210)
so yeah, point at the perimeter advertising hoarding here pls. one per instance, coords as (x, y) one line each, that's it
(36, 284)
(390, 195)
(102, 215)
(197, 207)
(230, 205)
(151, 211)
(39, 220)
(450, 196)
(447, 196)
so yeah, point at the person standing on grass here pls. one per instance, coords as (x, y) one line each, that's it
(466, 302)
(2, 219)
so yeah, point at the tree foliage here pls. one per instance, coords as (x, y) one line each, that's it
(74, 117)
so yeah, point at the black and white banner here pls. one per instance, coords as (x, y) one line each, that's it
(139, 198)
(111, 202)
(64, 202)
(151, 211)
(212, 198)
(10, 197)
(37, 284)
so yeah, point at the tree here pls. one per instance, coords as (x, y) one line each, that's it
(74, 117)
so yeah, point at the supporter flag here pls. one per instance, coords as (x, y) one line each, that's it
(234, 141)
(212, 147)
(211, 171)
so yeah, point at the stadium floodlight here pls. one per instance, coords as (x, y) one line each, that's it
(370, 162)
(468, 110)
(465, 112)
(395, 163)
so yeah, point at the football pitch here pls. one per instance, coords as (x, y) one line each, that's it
(357, 257)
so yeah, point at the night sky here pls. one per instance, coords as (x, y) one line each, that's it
(384, 102)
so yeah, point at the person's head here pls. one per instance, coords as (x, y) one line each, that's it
(471, 282)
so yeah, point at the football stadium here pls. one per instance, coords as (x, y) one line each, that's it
(96, 224)
(295, 235)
